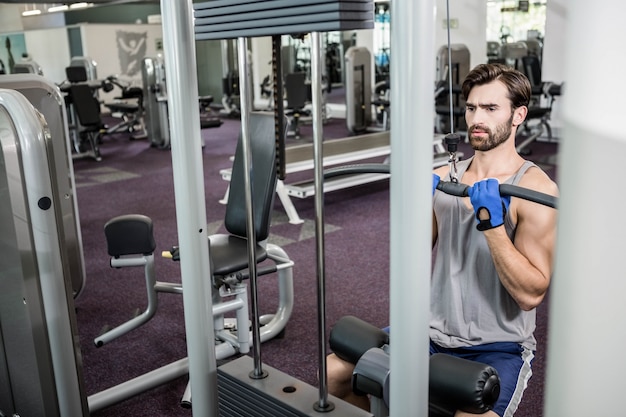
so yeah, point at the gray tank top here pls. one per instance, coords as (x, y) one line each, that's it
(468, 304)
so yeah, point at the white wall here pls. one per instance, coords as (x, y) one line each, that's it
(554, 47)
(11, 18)
(555, 41)
(471, 17)
(50, 49)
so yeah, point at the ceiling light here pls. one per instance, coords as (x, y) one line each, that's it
(58, 8)
(80, 5)
(31, 12)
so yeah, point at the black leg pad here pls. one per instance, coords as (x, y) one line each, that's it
(454, 383)
(464, 385)
(351, 337)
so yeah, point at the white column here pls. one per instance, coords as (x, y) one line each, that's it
(180, 66)
(412, 76)
(553, 59)
(587, 332)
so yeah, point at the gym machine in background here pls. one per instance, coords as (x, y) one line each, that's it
(458, 65)
(361, 99)
(155, 102)
(230, 79)
(26, 65)
(359, 92)
(358, 89)
(382, 40)
(81, 69)
(91, 67)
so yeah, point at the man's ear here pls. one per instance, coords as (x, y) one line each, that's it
(519, 115)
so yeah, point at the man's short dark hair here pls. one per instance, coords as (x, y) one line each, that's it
(516, 82)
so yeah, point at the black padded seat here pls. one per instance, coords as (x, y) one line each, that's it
(122, 107)
(229, 254)
(537, 112)
(445, 111)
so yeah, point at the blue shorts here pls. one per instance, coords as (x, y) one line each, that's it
(511, 360)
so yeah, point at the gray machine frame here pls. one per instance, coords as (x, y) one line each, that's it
(48, 100)
(37, 323)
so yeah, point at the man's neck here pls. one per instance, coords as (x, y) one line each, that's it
(500, 162)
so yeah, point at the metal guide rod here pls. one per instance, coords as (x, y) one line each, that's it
(180, 64)
(245, 93)
(451, 101)
(411, 203)
(318, 172)
(279, 110)
(452, 139)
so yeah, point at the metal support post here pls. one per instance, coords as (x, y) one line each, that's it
(180, 64)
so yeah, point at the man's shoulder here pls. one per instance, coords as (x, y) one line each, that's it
(538, 180)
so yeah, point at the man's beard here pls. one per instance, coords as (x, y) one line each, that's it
(494, 138)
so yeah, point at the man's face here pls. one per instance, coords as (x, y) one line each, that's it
(489, 116)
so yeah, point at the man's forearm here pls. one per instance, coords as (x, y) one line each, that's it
(522, 280)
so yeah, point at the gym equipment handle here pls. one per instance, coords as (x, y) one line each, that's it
(460, 190)
(452, 188)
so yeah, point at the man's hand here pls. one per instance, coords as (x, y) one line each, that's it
(489, 206)
(436, 180)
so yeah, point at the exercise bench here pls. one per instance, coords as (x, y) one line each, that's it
(299, 158)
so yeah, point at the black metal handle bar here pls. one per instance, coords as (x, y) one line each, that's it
(353, 169)
(452, 188)
(460, 190)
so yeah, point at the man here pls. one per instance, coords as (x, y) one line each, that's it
(492, 255)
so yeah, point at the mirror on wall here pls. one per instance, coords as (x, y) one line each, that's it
(515, 28)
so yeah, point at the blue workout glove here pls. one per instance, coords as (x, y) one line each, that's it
(485, 195)
(436, 180)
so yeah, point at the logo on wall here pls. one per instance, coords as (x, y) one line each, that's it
(131, 49)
